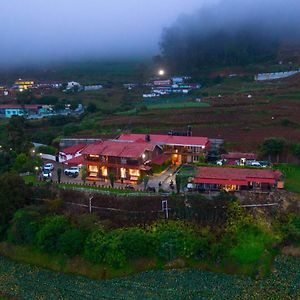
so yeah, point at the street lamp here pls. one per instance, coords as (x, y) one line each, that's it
(161, 72)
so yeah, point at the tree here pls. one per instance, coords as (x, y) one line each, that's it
(84, 173)
(13, 196)
(145, 181)
(19, 163)
(49, 235)
(59, 171)
(91, 108)
(295, 148)
(273, 146)
(178, 183)
(111, 177)
(96, 245)
(16, 135)
(71, 242)
(25, 225)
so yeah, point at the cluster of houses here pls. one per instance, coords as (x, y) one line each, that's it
(160, 87)
(36, 111)
(22, 85)
(132, 156)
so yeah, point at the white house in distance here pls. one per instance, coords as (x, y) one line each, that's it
(71, 152)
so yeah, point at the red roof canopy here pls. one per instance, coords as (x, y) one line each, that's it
(17, 106)
(119, 148)
(73, 149)
(236, 176)
(75, 161)
(164, 139)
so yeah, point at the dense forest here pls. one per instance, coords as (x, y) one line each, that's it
(210, 37)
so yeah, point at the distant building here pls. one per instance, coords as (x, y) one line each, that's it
(10, 110)
(93, 87)
(22, 84)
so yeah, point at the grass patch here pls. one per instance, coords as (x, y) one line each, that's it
(30, 179)
(97, 188)
(292, 176)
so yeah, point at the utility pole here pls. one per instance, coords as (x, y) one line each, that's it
(90, 204)
(164, 207)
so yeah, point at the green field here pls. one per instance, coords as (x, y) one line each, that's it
(28, 282)
(292, 177)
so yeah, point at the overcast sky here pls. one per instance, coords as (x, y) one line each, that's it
(39, 30)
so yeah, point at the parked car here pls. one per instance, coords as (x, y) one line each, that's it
(48, 166)
(46, 174)
(190, 187)
(129, 187)
(265, 164)
(151, 189)
(255, 164)
(72, 171)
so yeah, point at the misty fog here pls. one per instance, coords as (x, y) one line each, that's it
(38, 31)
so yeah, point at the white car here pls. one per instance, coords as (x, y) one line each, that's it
(48, 167)
(72, 171)
(255, 164)
(47, 174)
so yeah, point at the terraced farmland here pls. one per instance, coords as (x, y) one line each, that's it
(27, 282)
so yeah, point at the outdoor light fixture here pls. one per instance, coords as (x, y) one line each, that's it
(161, 72)
(144, 156)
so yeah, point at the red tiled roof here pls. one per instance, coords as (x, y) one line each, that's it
(160, 160)
(119, 149)
(73, 149)
(164, 139)
(239, 155)
(218, 175)
(17, 106)
(75, 161)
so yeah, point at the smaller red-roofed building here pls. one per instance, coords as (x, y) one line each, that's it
(235, 179)
(71, 152)
(128, 161)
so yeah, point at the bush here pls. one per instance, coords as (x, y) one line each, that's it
(25, 225)
(47, 150)
(136, 242)
(174, 239)
(291, 229)
(251, 245)
(115, 254)
(96, 245)
(49, 235)
(71, 242)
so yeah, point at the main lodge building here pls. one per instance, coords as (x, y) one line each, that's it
(132, 156)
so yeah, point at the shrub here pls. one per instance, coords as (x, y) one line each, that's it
(174, 239)
(47, 150)
(291, 229)
(71, 242)
(136, 242)
(115, 254)
(96, 245)
(49, 234)
(251, 244)
(25, 225)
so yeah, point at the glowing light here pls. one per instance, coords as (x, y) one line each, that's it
(161, 72)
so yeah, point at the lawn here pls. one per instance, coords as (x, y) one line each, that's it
(292, 176)
(28, 282)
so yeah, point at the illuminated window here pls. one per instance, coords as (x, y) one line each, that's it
(104, 171)
(133, 172)
(123, 172)
(92, 155)
(93, 169)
